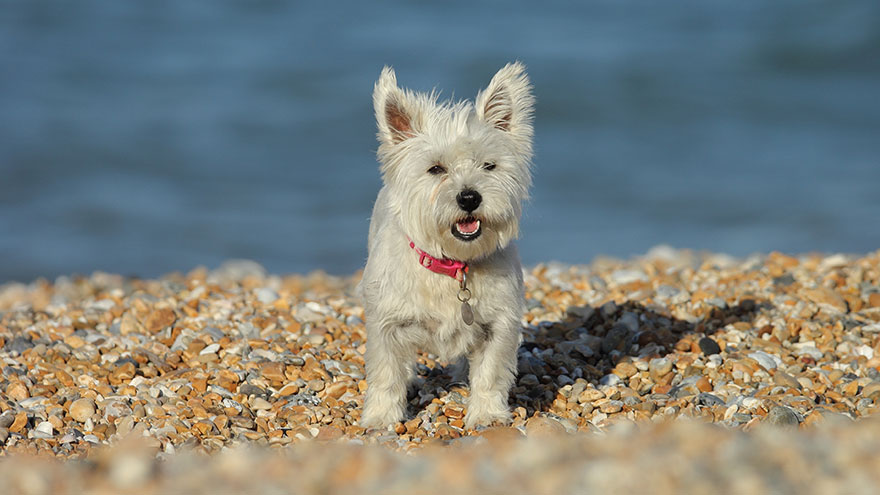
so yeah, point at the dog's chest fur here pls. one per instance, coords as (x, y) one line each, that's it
(421, 306)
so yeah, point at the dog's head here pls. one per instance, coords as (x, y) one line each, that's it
(457, 173)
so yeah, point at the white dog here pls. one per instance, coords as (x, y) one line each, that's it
(443, 274)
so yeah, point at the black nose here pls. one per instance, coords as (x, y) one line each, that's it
(469, 200)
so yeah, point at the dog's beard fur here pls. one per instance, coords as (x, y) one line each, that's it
(455, 177)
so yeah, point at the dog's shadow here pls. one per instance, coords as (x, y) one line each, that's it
(588, 343)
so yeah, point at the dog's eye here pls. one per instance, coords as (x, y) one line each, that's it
(436, 170)
(489, 166)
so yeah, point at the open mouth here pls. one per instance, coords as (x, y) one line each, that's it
(467, 229)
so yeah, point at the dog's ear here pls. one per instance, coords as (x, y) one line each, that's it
(395, 110)
(507, 103)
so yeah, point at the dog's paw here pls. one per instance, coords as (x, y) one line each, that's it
(381, 417)
(485, 412)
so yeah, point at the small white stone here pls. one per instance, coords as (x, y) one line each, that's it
(318, 308)
(730, 412)
(625, 276)
(864, 350)
(266, 295)
(765, 360)
(807, 349)
(833, 261)
(210, 349)
(103, 304)
(872, 328)
(45, 429)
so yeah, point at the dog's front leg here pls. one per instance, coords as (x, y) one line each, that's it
(492, 372)
(389, 369)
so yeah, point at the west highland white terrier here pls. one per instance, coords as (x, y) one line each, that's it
(443, 274)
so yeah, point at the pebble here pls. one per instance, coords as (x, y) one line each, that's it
(584, 313)
(44, 430)
(453, 412)
(765, 360)
(786, 380)
(611, 406)
(115, 409)
(871, 390)
(615, 339)
(329, 433)
(707, 399)
(211, 349)
(249, 389)
(590, 395)
(124, 425)
(529, 380)
(625, 370)
(807, 349)
(782, 416)
(260, 404)
(709, 346)
(659, 367)
(82, 409)
(608, 309)
(19, 423)
(630, 320)
(543, 426)
(827, 298)
(266, 295)
(159, 319)
(627, 276)
(17, 391)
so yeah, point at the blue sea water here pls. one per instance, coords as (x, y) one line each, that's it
(146, 137)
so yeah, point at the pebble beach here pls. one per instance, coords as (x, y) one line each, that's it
(675, 371)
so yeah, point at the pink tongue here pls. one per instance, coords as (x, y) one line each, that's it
(468, 227)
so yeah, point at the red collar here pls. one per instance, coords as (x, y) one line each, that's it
(443, 266)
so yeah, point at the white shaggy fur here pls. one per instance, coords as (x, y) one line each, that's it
(409, 307)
